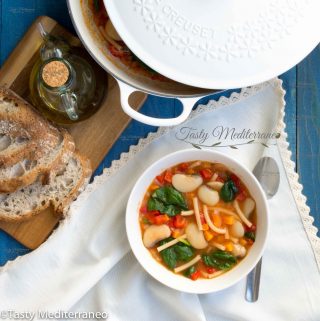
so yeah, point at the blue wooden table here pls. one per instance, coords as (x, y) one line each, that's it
(302, 84)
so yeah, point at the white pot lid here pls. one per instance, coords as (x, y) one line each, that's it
(218, 43)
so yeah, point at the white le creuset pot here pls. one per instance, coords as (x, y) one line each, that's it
(129, 82)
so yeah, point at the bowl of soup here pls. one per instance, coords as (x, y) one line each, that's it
(197, 221)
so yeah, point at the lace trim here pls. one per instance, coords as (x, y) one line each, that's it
(296, 187)
(283, 145)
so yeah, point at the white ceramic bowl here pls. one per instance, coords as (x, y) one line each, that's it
(157, 270)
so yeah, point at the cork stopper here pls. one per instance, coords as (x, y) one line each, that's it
(55, 73)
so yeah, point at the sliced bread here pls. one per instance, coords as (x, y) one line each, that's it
(28, 171)
(63, 188)
(24, 134)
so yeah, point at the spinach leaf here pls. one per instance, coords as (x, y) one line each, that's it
(250, 236)
(175, 253)
(228, 191)
(221, 260)
(184, 252)
(189, 271)
(168, 255)
(167, 200)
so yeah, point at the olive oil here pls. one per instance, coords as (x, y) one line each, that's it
(63, 85)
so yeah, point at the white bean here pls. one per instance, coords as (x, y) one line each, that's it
(186, 183)
(248, 206)
(237, 229)
(215, 185)
(195, 237)
(239, 250)
(154, 234)
(208, 196)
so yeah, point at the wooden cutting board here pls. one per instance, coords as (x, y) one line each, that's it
(94, 137)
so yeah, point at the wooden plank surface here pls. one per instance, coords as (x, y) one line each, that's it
(302, 84)
(93, 137)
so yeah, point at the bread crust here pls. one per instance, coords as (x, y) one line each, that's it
(19, 119)
(60, 208)
(43, 171)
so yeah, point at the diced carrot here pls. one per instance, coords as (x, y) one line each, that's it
(243, 242)
(206, 173)
(217, 221)
(153, 187)
(220, 239)
(190, 171)
(205, 227)
(228, 219)
(208, 235)
(168, 177)
(229, 246)
(176, 234)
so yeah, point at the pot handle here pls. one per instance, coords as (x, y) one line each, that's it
(126, 91)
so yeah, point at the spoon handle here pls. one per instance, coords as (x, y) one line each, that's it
(253, 283)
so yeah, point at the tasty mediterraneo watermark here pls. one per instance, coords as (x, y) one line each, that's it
(221, 136)
(53, 315)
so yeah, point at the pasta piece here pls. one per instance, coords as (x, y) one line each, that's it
(225, 211)
(234, 239)
(195, 164)
(211, 275)
(173, 242)
(197, 213)
(187, 213)
(187, 265)
(227, 236)
(214, 177)
(241, 215)
(219, 246)
(209, 222)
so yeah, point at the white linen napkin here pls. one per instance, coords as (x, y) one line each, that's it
(87, 265)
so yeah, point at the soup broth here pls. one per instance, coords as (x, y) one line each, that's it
(198, 219)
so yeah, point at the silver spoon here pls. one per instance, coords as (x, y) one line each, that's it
(267, 173)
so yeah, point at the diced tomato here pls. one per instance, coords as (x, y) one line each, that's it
(183, 167)
(236, 180)
(154, 213)
(170, 223)
(202, 219)
(211, 270)
(168, 176)
(253, 228)
(241, 196)
(206, 173)
(195, 275)
(160, 219)
(179, 221)
(249, 241)
(160, 178)
(143, 209)
(220, 179)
